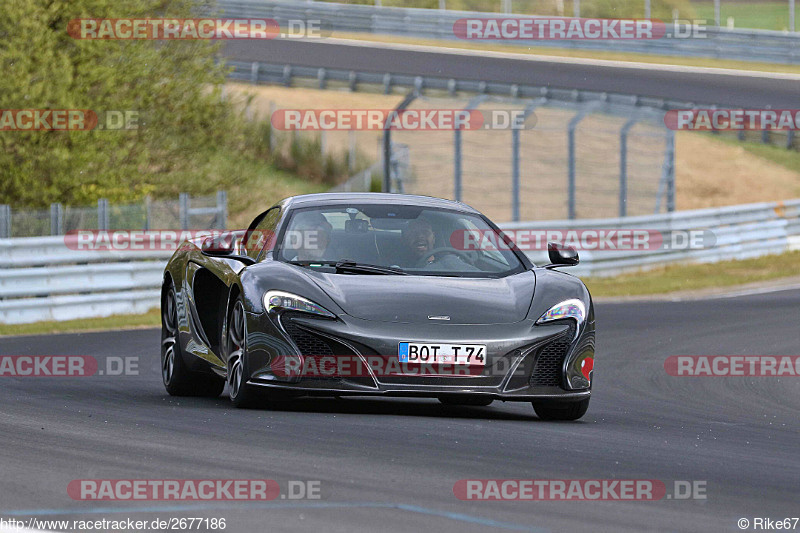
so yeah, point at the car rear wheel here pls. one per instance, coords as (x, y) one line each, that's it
(242, 395)
(178, 379)
(560, 410)
(473, 401)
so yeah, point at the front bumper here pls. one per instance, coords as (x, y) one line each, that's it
(524, 361)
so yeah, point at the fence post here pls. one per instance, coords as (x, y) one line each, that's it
(183, 203)
(623, 167)
(273, 136)
(573, 125)
(5, 221)
(254, 73)
(222, 209)
(515, 175)
(515, 159)
(387, 140)
(147, 212)
(571, 171)
(472, 104)
(351, 137)
(647, 9)
(576, 8)
(102, 214)
(791, 15)
(56, 219)
(670, 160)
(457, 165)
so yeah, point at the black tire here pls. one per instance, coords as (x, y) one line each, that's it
(242, 395)
(177, 378)
(560, 410)
(470, 400)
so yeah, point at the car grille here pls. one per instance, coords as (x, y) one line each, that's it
(548, 368)
(314, 346)
(308, 343)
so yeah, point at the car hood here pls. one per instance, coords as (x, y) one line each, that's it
(413, 299)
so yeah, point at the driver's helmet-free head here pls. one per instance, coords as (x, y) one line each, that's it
(309, 235)
(418, 237)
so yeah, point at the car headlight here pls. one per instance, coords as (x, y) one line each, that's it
(285, 301)
(567, 309)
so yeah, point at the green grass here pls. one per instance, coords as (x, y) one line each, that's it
(772, 152)
(694, 277)
(149, 319)
(659, 281)
(755, 15)
(253, 185)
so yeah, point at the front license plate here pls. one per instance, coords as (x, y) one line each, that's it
(459, 354)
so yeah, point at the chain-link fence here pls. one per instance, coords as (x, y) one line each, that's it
(204, 212)
(561, 161)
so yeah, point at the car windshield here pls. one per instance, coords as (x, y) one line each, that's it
(396, 239)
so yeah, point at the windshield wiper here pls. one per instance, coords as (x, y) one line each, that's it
(354, 267)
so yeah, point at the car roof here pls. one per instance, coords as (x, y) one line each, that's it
(332, 198)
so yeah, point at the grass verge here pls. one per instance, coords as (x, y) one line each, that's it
(149, 319)
(696, 277)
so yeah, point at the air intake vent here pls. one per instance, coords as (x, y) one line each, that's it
(308, 343)
(547, 371)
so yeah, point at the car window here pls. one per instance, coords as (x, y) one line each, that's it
(418, 240)
(263, 234)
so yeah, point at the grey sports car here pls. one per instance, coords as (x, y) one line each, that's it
(376, 294)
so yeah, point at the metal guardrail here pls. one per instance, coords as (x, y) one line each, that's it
(69, 284)
(41, 278)
(287, 74)
(720, 43)
(740, 232)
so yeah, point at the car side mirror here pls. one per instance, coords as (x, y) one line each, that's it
(219, 245)
(224, 245)
(561, 255)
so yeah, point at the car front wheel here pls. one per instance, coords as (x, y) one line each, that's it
(242, 395)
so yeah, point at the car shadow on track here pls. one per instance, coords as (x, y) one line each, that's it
(397, 407)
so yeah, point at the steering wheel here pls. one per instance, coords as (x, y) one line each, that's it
(443, 251)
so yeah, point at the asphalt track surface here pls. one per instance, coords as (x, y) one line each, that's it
(390, 465)
(708, 86)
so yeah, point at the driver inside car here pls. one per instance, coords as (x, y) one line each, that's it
(418, 241)
(310, 237)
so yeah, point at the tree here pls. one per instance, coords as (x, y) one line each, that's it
(174, 85)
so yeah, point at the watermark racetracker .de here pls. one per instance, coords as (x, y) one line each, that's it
(194, 29)
(192, 490)
(69, 120)
(67, 366)
(582, 239)
(578, 490)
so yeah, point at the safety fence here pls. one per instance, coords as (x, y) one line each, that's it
(186, 212)
(577, 152)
